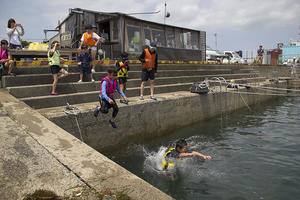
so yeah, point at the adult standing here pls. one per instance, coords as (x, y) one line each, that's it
(260, 54)
(91, 40)
(14, 32)
(149, 69)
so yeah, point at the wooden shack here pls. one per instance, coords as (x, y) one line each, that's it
(125, 33)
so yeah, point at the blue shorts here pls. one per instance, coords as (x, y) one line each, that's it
(55, 69)
(85, 70)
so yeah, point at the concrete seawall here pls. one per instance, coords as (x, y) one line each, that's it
(148, 119)
(94, 169)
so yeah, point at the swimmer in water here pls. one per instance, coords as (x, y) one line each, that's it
(179, 151)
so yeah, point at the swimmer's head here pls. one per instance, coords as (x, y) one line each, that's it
(181, 146)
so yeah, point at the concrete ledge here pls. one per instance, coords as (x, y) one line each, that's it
(68, 88)
(37, 79)
(92, 167)
(133, 67)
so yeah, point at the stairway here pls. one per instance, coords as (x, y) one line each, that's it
(33, 84)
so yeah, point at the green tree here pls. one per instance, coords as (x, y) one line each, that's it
(25, 43)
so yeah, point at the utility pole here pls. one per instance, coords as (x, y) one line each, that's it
(216, 41)
(167, 14)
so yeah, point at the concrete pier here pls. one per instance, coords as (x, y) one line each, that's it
(26, 99)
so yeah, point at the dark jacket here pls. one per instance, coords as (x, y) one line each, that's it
(85, 59)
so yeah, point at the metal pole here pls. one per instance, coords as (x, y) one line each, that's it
(216, 41)
(165, 12)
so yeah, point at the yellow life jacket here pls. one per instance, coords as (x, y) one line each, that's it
(165, 163)
(123, 72)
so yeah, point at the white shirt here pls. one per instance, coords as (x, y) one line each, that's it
(95, 36)
(14, 36)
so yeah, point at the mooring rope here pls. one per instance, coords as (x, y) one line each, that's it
(73, 110)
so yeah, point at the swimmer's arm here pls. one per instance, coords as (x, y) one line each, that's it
(194, 153)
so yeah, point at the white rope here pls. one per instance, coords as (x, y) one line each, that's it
(73, 110)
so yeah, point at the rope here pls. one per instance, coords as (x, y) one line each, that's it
(73, 110)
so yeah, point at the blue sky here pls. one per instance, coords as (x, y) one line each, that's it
(239, 24)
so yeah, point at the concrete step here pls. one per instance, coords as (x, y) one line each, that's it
(85, 97)
(133, 67)
(38, 79)
(67, 88)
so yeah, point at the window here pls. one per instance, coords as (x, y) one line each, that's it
(195, 40)
(159, 37)
(115, 30)
(134, 38)
(179, 39)
(170, 39)
(187, 40)
(147, 36)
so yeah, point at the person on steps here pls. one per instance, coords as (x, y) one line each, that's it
(54, 62)
(149, 69)
(5, 58)
(85, 63)
(122, 73)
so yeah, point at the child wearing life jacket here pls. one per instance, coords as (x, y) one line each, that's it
(122, 73)
(54, 62)
(85, 59)
(108, 87)
(5, 59)
(179, 151)
(91, 40)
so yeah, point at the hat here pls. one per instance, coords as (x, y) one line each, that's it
(93, 26)
(124, 56)
(153, 44)
(294, 58)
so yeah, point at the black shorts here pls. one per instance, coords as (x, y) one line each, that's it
(122, 80)
(148, 74)
(55, 69)
(105, 105)
(85, 70)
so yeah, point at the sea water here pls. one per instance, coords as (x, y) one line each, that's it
(255, 155)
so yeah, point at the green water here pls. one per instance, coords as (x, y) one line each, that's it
(256, 155)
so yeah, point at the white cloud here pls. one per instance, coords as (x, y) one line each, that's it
(233, 14)
(249, 17)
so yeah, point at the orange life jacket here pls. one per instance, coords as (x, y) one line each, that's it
(151, 58)
(89, 40)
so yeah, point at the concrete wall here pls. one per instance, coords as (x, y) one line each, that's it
(88, 165)
(148, 119)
